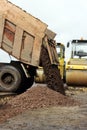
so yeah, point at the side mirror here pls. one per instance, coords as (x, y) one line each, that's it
(68, 44)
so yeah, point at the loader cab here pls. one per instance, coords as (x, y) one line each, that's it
(60, 50)
(61, 58)
(78, 48)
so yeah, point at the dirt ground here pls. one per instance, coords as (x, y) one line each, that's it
(57, 116)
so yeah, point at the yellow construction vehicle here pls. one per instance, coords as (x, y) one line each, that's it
(40, 76)
(61, 58)
(76, 67)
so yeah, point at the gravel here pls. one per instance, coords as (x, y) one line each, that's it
(38, 96)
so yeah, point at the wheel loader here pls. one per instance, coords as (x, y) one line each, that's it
(61, 57)
(28, 40)
(76, 67)
(40, 76)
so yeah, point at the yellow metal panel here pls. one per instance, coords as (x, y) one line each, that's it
(76, 67)
(76, 77)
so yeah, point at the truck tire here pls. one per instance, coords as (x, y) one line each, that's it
(26, 84)
(10, 78)
(29, 82)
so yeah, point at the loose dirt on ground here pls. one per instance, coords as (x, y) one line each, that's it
(41, 108)
(38, 96)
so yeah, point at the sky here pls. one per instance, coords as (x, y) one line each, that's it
(67, 18)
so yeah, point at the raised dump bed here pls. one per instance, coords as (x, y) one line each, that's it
(21, 34)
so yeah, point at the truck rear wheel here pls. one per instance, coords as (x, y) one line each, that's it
(10, 78)
(26, 84)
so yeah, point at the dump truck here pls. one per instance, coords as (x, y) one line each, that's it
(40, 76)
(76, 66)
(29, 40)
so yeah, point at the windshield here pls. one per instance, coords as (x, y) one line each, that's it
(79, 50)
(60, 51)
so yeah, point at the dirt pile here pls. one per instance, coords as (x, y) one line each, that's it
(36, 97)
(52, 73)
